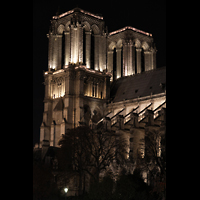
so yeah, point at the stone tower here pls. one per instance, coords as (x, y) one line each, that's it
(82, 60)
(130, 51)
(76, 83)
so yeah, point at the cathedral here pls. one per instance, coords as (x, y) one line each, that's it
(95, 77)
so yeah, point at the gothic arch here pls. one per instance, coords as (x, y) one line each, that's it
(60, 29)
(145, 46)
(67, 26)
(86, 26)
(112, 45)
(95, 29)
(137, 43)
(119, 43)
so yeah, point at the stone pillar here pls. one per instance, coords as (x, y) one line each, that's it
(90, 85)
(67, 48)
(119, 62)
(49, 36)
(47, 84)
(88, 48)
(96, 52)
(79, 83)
(103, 49)
(138, 54)
(97, 90)
(130, 61)
(54, 52)
(125, 58)
(147, 60)
(59, 39)
(133, 59)
(74, 44)
(110, 61)
(154, 58)
(80, 43)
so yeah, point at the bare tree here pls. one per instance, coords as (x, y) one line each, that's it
(154, 161)
(93, 151)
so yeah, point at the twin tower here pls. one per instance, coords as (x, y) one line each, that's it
(80, 37)
(82, 59)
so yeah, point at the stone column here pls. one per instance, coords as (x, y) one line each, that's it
(88, 48)
(125, 58)
(110, 61)
(147, 61)
(130, 60)
(67, 48)
(96, 52)
(119, 62)
(74, 44)
(133, 59)
(49, 36)
(154, 58)
(54, 52)
(138, 54)
(80, 43)
(59, 38)
(97, 90)
(100, 54)
(103, 49)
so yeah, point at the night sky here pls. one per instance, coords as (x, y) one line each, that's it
(146, 15)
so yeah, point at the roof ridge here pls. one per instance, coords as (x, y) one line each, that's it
(130, 28)
(77, 9)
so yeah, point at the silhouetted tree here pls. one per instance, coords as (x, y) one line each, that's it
(154, 161)
(102, 190)
(43, 185)
(131, 187)
(93, 151)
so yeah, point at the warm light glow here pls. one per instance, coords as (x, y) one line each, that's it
(132, 28)
(64, 14)
(58, 71)
(88, 13)
(72, 11)
(66, 190)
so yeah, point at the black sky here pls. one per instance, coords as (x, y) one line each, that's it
(146, 15)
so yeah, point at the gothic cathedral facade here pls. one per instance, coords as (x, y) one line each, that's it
(94, 76)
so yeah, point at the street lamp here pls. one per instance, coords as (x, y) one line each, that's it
(66, 190)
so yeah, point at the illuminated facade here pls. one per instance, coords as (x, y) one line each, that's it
(94, 76)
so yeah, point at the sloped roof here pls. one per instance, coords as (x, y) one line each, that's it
(139, 85)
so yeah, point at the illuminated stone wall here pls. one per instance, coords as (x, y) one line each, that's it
(73, 95)
(70, 37)
(82, 60)
(135, 52)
